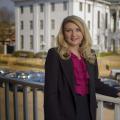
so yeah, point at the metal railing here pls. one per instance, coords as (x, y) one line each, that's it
(35, 86)
(100, 110)
(25, 87)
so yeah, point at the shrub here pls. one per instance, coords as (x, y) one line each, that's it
(102, 54)
(3, 62)
(1, 49)
(40, 55)
(25, 54)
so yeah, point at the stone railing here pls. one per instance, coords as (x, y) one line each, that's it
(34, 88)
(100, 110)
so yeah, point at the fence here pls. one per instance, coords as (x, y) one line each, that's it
(100, 110)
(27, 86)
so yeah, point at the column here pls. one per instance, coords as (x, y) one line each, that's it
(70, 7)
(117, 19)
(36, 27)
(47, 26)
(17, 28)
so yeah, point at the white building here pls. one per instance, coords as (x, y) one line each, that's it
(38, 22)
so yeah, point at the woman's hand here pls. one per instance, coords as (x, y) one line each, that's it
(118, 94)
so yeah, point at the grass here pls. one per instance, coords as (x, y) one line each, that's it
(102, 54)
(108, 62)
(36, 64)
(31, 62)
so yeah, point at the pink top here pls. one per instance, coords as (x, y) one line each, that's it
(80, 74)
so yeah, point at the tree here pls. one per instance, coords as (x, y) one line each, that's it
(6, 15)
(6, 24)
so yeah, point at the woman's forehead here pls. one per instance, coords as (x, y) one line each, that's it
(78, 24)
(70, 24)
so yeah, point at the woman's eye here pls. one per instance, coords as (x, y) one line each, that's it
(78, 30)
(71, 30)
(68, 30)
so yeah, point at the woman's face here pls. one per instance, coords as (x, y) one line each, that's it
(72, 34)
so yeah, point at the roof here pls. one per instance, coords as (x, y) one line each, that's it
(113, 1)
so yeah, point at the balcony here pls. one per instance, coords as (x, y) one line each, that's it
(11, 109)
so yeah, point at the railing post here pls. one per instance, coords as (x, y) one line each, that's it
(7, 101)
(35, 103)
(15, 103)
(0, 109)
(117, 111)
(25, 103)
(100, 110)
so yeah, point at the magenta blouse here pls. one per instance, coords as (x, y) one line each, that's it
(80, 75)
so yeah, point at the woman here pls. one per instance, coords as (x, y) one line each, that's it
(71, 75)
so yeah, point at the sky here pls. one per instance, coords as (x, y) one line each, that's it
(7, 3)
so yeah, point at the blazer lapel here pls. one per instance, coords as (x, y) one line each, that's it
(88, 65)
(68, 71)
(90, 70)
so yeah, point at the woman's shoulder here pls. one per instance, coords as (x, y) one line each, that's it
(53, 51)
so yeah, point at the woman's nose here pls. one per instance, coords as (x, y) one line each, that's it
(73, 33)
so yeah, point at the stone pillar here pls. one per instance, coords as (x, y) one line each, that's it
(70, 7)
(17, 28)
(5, 48)
(36, 27)
(47, 26)
(117, 19)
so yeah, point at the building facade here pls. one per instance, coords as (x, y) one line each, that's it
(38, 22)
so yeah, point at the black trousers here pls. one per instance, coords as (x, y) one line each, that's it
(83, 109)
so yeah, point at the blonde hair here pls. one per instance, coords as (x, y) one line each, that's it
(85, 47)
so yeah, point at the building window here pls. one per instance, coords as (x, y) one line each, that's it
(65, 5)
(119, 43)
(52, 6)
(21, 9)
(98, 19)
(41, 7)
(89, 24)
(105, 42)
(31, 42)
(31, 24)
(53, 43)
(106, 20)
(98, 40)
(41, 24)
(22, 42)
(31, 9)
(41, 38)
(53, 24)
(89, 8)
(22, 25)
(80, 6)
(119, 13)
(42, 46)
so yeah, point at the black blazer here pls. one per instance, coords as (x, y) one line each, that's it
(59, 95)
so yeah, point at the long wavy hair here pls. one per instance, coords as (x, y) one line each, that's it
(85, 46)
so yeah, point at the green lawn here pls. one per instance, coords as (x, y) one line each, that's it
(111, 61)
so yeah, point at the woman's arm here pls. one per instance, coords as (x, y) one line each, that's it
(103, 88)
(51, 108)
